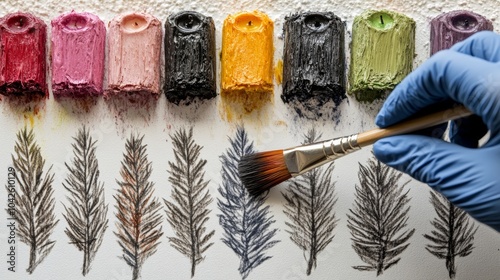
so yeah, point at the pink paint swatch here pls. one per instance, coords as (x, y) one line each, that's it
(134, 54)
(78, 42)
(22, 55)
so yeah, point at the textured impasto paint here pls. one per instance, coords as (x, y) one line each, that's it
(189, 57)
(382, 51)
(247, 59)
(313, 59)
(453, 27)
(22, 55)
(134, 46)
(78, 41)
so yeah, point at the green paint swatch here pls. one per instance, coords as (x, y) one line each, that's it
(382, 50)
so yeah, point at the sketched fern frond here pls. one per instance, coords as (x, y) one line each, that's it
(453, 233)
(189, 212)
(379, 217)
(86, 212)
(245, 220)
(137, 210)
(309, 206)
(35, 198)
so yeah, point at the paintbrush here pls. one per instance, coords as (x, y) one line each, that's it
(260, 172)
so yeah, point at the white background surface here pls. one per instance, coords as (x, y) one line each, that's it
(275, 127)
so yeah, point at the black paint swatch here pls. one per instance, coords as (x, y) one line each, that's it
(189, 57)
(314, 59)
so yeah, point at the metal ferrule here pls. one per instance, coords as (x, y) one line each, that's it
(304, 158)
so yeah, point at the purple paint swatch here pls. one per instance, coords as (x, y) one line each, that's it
(78, 41)
(453, 27)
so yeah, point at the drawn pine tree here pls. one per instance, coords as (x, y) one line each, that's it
(189, 214)
(86, 213)
(453, 235)
(309, 206)
(138, 212)
(379, 218)
(245, 220)
(34, 212)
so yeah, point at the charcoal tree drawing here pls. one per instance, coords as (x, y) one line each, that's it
(245, 220)
(309, 205)
(35, 201)
(137, 210)
(379, 219)
(86, 212)
(189, 213)
(453, 234)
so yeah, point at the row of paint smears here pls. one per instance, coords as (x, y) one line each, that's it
(382, 51)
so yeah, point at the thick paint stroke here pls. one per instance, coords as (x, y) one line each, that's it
(453, 27)
(189, 57)
(78, 42)
(313, 59)
(134, 46)
(382, 51)
(247, 59)
(22, 55)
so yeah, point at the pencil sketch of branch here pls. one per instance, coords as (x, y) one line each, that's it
(245, 220)
(379, 218)
(35, 199)
(309, 205)
(138, 212)
(86, 213)
(189, 213)
(453, 235)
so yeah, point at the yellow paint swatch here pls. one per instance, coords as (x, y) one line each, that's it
(247, 59)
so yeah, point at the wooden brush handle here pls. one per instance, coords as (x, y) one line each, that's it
(369, 137)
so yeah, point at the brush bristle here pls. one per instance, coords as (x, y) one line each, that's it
(260, 172)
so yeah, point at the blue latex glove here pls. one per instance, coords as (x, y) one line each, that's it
(468, 73)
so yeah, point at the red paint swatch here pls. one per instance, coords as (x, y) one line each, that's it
(78, 41)
(22, 55)
(134, 54)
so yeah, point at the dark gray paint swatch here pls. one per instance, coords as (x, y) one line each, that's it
(314, 59)
(189, 57)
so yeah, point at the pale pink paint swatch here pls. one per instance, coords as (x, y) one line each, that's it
(78, 44)
(134, 46)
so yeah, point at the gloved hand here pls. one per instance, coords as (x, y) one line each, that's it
(468, 73)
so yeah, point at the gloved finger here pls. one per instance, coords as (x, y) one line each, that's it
(447, 75)
(425, 159)
(467, 131)
(434, 131)
(484, 45)
(466, 177)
